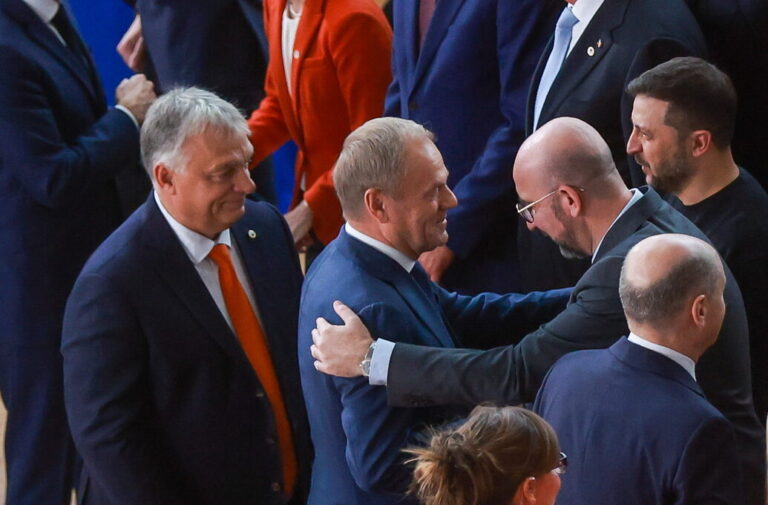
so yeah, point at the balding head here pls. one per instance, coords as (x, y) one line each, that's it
(662, 280)
(566, 151)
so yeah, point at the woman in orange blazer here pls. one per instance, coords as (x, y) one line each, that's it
(339, 72)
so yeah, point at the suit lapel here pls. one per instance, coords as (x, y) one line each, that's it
(175, 268)
(309, 25)
(388, 270)
(43, 36)
(630, 221)
(275, 29)
(531, 100)
(582, 60)
(407, 34)
(438, 27)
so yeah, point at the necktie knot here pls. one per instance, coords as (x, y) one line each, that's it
(567, 19)
(220, 255)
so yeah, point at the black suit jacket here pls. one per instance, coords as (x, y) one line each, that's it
(625, 38)
(163, 404)
(593, 319)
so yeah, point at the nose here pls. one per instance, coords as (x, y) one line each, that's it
(449, 199)
(633, 145)
(244, 183)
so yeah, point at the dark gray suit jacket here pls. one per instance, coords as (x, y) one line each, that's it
(593, 319)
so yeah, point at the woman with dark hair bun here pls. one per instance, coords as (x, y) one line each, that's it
(498, 456)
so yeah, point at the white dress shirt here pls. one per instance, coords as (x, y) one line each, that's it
(584, 10)
(291, 20)
(198, 247)
(681, 359)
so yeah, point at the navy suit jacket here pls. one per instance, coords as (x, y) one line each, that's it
(60, 150)
(163, 404)
(638, 430)
(593, 319)
(357, 437)
(626, 38)
(468, 84)
(219, 45)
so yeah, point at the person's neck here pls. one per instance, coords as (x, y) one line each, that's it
(713, 173)
(670, 337)
(374, 231)
(604, 214)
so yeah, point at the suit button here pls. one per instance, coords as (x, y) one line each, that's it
(259, 394)
(296, 53)
(276, 487)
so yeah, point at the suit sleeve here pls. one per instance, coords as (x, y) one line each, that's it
(56, 168)
(376, 433)
(420, 376)
(489, 320)
(360, 48)
(106, 385)
(523, 28)
(709, 470)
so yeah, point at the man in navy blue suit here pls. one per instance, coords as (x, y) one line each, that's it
(180, 370)
(392, 185)
(462, 68)
(218, 45)
(62, 153)
(636, 424)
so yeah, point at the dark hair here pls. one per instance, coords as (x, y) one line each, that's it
(700, 96)
(694, 275)
(483, 461)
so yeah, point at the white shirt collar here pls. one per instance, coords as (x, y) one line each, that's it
(636, 195)
(585, 10)
(681, 359)
(403, 260)
(45, 9)
(197, 246)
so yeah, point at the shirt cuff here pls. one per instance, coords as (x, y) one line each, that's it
(130, 115)
(382, 353)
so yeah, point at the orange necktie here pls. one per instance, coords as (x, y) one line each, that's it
(254, 343)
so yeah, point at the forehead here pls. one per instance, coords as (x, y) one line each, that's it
(424, 163)
(649, 111)
(212, 147)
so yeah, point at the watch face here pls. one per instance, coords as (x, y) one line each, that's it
(365, 366)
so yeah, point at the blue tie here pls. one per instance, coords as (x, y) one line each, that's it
(556, 57)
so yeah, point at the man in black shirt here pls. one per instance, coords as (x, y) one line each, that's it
(683, 122)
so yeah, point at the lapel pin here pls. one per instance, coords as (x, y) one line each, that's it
(591, 51)
(252, 234)
(600, 43)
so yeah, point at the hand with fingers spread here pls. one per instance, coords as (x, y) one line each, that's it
(338, 350)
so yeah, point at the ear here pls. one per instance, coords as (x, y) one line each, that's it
(164, 178)
(526, 492)
(700, 142)
(572, 198)
(699, 310)
(376, 205)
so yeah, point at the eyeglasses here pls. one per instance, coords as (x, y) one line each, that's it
(527, 211)
(562, 465)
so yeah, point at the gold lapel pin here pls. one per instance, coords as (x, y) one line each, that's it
(591, 51)
(252, 234)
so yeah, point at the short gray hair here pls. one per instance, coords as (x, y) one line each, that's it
(373, 156)
(695, 274)
(180, 114)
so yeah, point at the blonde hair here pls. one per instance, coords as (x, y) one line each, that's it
(483, 461)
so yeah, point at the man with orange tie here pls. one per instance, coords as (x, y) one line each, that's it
(180, 373)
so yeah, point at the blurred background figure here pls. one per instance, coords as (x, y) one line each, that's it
(463, 70)
(328, 72)
(64, 156)
(220, 46)
(498, 456)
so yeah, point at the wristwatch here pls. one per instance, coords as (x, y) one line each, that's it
(365, 365)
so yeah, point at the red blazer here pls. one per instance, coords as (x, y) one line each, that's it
(340, 73)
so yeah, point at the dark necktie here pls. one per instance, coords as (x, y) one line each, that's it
(426, 10)
(67, 31)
